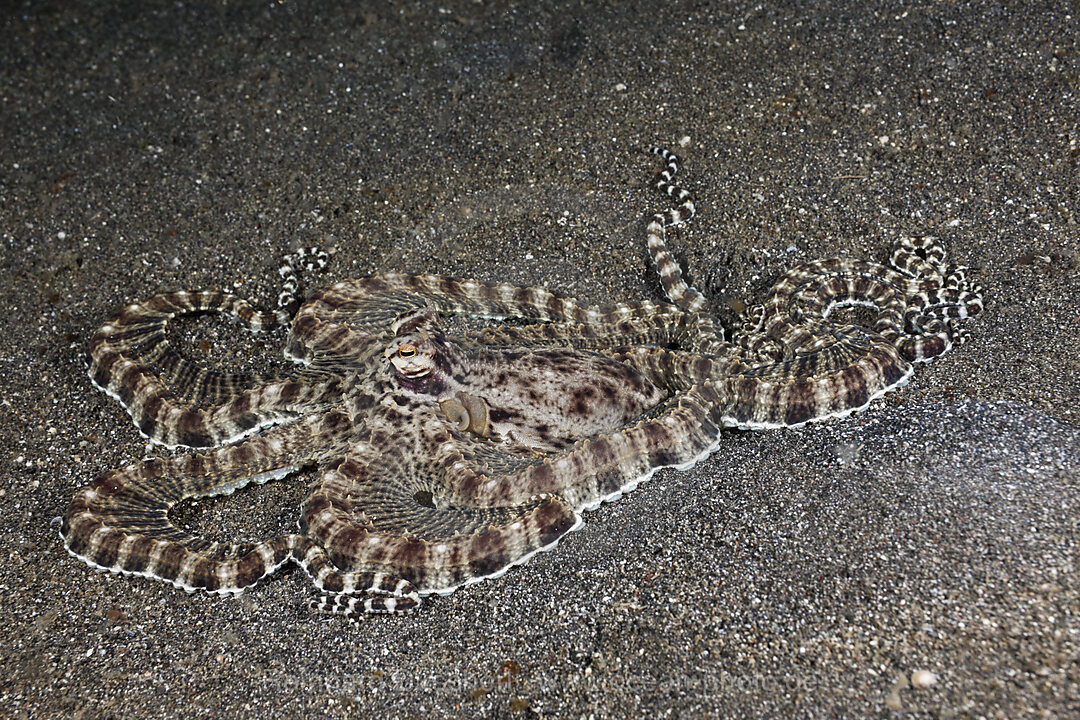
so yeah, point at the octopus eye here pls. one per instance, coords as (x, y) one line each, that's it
(406, 351)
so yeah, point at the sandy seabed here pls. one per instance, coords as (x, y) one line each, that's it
(797, 573)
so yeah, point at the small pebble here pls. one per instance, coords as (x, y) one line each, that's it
(923, 679)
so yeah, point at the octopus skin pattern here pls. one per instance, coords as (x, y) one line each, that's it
(442, 459)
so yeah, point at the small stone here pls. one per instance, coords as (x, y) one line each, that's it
(892, 700)
(923, 679)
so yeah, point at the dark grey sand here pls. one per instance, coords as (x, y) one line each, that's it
(801, 573)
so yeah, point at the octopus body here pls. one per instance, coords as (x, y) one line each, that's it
(442, 460)
(532, 399)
